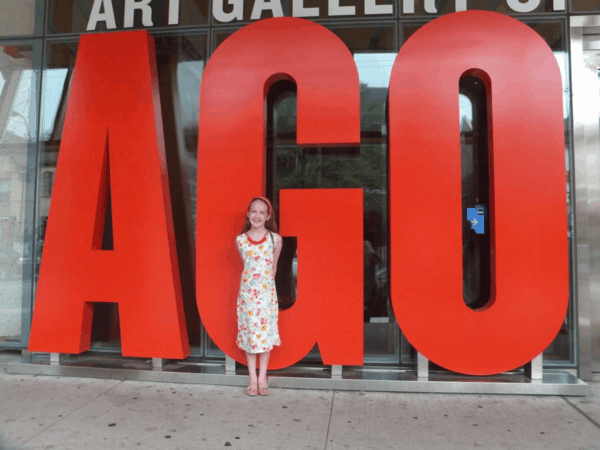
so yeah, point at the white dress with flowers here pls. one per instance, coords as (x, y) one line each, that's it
(257, 307)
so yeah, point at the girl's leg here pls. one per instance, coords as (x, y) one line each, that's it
(251, 360)
(262, 375)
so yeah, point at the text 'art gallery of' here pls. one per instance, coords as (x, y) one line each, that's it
(432, 164)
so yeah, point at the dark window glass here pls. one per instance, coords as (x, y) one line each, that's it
(584, 5)
(473, 103)
(431, 7)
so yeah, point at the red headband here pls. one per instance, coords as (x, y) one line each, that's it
(266, 200)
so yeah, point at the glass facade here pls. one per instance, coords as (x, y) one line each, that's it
(19, 96)
(35, 77)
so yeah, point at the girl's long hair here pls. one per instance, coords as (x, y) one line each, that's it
(270, 224)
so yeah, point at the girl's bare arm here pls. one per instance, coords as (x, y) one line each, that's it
(277, 252)
(239, 250)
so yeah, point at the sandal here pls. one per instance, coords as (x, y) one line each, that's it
(263, 389)
(252, 390)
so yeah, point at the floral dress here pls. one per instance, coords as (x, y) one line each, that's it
(257, 307)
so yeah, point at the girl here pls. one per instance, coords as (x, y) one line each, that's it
(259, 246)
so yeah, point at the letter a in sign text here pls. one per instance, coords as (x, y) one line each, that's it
(112, 147)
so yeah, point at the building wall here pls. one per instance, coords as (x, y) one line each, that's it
(33, 104)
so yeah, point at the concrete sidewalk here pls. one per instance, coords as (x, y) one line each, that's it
(39, 412)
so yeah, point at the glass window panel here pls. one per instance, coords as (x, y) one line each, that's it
(56, 79)
(501, 6)
(313, 9)
(473, 119)
(584, 6)
(17, 17)
(54, 83)
(562, 349)
(18, 111)
(181, 60)
(220, 36)
(74, 16)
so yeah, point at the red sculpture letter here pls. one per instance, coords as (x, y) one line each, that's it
(528, 216)
(231, 170)
(329, 308)
(112, 136)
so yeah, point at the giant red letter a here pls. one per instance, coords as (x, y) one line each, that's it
(112, 138)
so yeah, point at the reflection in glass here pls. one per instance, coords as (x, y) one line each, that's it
(181, 60)
(18, 94)
(473, 104)
(584, 6)
(553, 32)
(60, 61)
(17, 126)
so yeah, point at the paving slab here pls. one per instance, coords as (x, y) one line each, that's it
(442, 421)
(177, 416)
(43, 412)
(37, 403)
(590, 404)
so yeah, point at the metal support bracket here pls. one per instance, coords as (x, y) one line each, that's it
(159, 363)
(229, 365)
(336, 372)
(57, 358)
(422, 366)
(535, 368)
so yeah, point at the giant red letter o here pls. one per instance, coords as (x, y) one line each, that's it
(527, 194)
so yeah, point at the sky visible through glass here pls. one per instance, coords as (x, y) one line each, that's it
(374, 70)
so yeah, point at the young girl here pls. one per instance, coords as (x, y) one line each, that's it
(259, 246)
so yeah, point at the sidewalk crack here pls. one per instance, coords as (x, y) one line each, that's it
(596, 424)
(329, 424)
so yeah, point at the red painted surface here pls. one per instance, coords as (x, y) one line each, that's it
(528, 216)
(113, 121)
(329, 307)
(231, 152)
